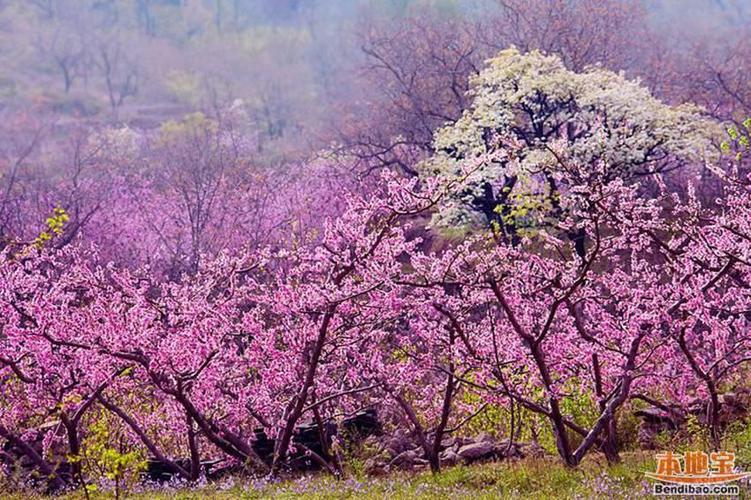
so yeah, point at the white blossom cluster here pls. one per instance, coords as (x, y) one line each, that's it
(524, 103)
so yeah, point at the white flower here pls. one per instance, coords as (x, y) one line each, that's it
(593, 117)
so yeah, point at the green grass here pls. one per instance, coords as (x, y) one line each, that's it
(530, 478)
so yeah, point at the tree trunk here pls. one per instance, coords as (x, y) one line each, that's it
(54, 481)
(296, 409)
(610, 444)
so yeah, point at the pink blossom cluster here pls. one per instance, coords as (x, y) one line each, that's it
(367, 313)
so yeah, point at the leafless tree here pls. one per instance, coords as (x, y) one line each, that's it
(118, 70)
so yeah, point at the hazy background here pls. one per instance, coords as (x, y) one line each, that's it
(297, 68)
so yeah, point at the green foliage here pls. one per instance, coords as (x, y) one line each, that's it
(579, 405)
(496, 420)
(627, 429)
(526, 210)
(697, 436)
(55, 226)
(738, 439)
(191, 125)
(184, 86)
(738, 139)
(664, 440)
(493, 419)
(105, 452)
(693, 435)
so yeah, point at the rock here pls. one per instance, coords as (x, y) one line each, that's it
(530, 449)
(697, 407)
(733, 407)
(15, 462)
(361, 425)
(159, 471)
(398, 443)
(406, 459)
(503, 450)
(375, 466)
(461, 441)
(447, 442)
(477, 451)
(653, 422)
(449, 457)
(653, 416)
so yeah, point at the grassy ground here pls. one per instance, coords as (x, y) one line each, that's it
(528, 479)
(531, 478)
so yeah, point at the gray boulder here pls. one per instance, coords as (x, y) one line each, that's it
(449, 457)
(406, 459)
(481, 450)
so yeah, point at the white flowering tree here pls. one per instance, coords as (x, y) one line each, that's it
(531, 118)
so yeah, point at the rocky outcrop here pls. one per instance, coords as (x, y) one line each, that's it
(654, 422)
(400, 451)
(734, 406)
(482, 450)
(308, 437)
(17, 464)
